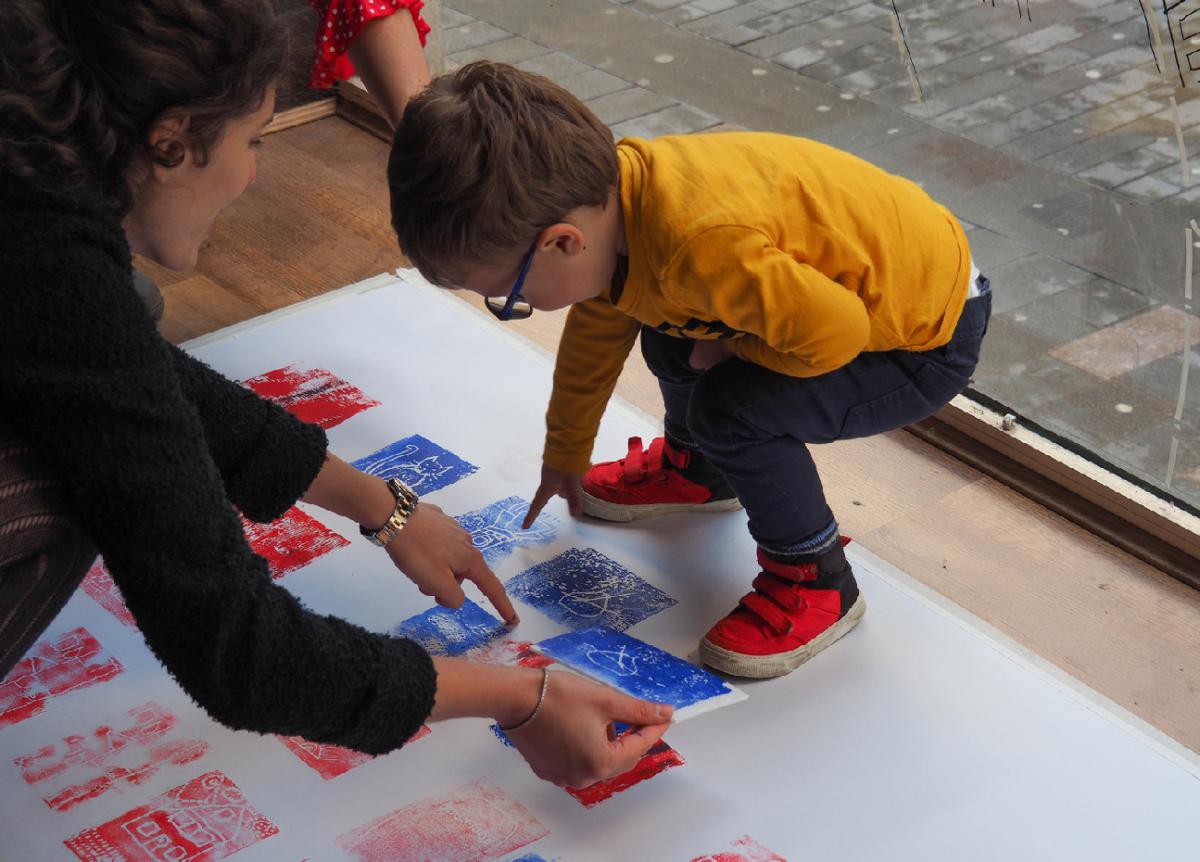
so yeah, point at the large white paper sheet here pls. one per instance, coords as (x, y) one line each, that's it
(921, 735)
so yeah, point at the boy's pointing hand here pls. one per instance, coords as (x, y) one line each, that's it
(555, 483)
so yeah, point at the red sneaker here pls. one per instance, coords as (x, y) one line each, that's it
(794, 612)
(659, 481)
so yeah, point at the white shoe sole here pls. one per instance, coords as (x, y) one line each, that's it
(780, 664)
(607, 511)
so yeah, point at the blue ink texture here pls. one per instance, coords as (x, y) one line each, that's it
(583, 588)
(421, 464)
(496, 529)
(442, 631)
(634, 667)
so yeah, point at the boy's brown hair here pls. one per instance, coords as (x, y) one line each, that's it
(487, 157)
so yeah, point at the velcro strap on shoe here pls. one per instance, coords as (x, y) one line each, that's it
(654, 463)
(768, 612)
(678, 458)
(634, 465)
(783, 594)
(798, 572)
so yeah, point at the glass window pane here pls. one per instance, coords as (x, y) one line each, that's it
(1063, 135)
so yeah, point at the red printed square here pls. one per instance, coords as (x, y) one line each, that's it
(292, 542)
(315, 395)
(658, 759)
(330, 761)
(745, 849)
(474, 823)
(202, 821)
(98, 584)
(116, 755)
(54, 668)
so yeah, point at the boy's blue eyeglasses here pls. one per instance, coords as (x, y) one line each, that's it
(515, 306)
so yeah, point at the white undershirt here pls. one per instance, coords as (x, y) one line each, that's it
(973, 284)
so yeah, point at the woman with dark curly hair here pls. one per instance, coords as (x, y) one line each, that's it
(128, 125)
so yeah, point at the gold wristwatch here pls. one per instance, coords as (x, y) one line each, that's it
(406, 504)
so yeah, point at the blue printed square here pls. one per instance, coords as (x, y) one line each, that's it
(582, 588)
(636, 667)
(496, 529)
(419, 463)
(442, 631)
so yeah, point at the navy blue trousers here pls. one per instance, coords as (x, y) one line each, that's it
(754, 424)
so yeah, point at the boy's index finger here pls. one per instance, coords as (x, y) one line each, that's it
(540, 499)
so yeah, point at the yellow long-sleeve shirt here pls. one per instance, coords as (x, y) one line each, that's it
(802, 255)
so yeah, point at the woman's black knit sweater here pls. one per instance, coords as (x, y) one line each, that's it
(162, 448)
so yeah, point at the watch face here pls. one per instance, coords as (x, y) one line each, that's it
(370, 536)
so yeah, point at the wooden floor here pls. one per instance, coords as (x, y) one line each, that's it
(317, 219)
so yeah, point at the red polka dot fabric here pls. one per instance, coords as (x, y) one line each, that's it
(341, 22)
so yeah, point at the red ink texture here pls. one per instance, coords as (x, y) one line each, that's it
(292, 542)
(330, 761)
(202, 821)
(85, 766)
(508, 652)
(475, 823)
(98, 584)
(659, 758)
(316, 395)
(52, 668)
(745, 849)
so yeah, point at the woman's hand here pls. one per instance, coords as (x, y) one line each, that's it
(555, 483)
(432, 549)
(436, 554)
(571, 743)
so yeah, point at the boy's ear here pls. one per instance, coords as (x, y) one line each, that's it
(563, 237)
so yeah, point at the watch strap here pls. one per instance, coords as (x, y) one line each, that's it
(406, 504)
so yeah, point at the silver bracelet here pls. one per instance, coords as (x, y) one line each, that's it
(536, 709)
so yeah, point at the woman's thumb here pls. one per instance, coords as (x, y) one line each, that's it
(637, 712)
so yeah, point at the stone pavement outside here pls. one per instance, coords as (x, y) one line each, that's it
(1077, 85)
(1049, 133)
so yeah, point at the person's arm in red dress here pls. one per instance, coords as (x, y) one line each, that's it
(385, 50)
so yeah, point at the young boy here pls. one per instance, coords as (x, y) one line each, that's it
(785, 292)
